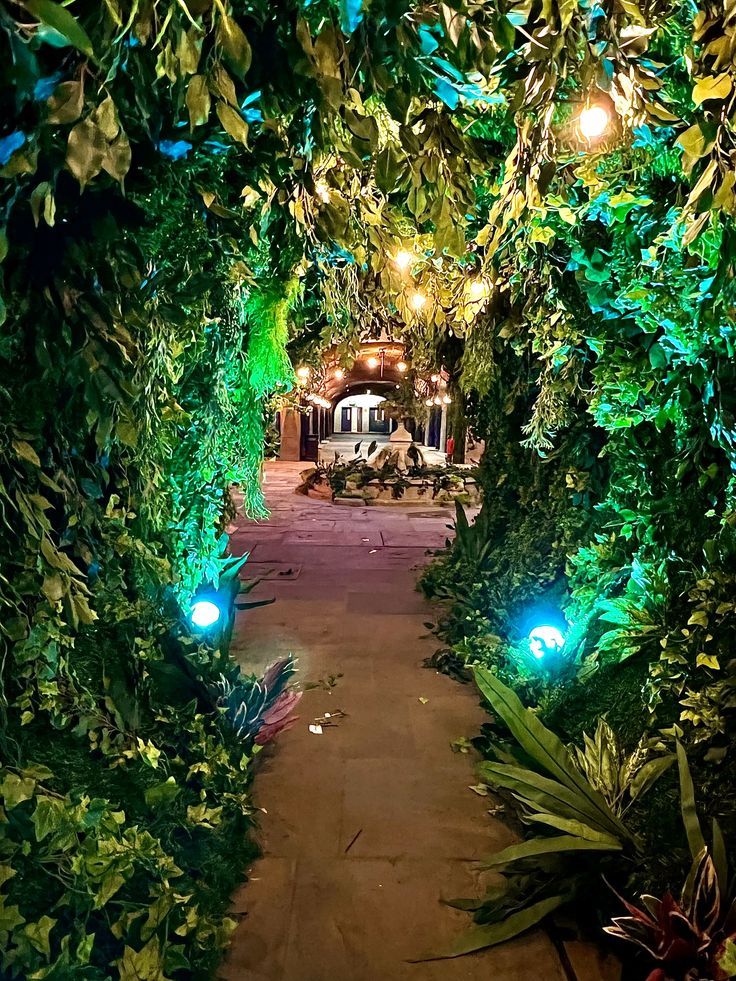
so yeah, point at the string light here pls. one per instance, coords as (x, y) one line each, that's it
(417, 300)
(594, 121)
(323, 191)
(403, 260)
(372, 362)
(429, 402)
(339, 374)
(437, 400)
(434, 378)
(446, 399)
(302, 373)
(478, 289)
(401, 366)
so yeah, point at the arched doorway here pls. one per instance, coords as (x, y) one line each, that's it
(362, 413)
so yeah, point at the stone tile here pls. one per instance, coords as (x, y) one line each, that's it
(321, 908)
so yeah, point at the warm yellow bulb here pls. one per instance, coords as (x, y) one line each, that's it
(447, 400)
(323, 191)
(403, 259)
(429, 402)
(401, 366)
(434, 378)
(417, 300)
(594, 121)
(478, 289)
(372, 362)
(302, 373)
(339, 374)
(437, 400)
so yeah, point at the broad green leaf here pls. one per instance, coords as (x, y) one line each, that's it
(66, 103)
(59, 18)
(718, 87)
(37, 934)
(26, 452)
(687, 805)
(86, 151)
(547, 846)
(162, 793)
(235, 46)
(232, 122)
(543, 746)
(491, 934)
(198, 101)
(48, 816)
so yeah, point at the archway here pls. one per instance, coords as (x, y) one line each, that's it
(361, 413)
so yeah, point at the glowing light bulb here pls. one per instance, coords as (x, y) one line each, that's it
(372, 362)
(478, 289)
(401, 366)
(403, 259)
(417, 300)
(339, 374)
(545, 639)
(429, 402)
(446, 399)
(593, 121)
(204, 613)
(434, 378)
(302, 373)
(322, 191)
(437, 400)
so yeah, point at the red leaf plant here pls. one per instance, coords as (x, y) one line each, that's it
(689, 940)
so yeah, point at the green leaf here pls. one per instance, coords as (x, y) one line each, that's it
(198, 101)
(86, 151)
(26, 452)
(66, 103)
(492, 934)
(48, 816)
(232, 122)
(162, 793)
(718, 87)
(60, 20)
(545, 748)
(558, 844)
(687, 805)
(14, 790)
(37, 934)
(235, 46)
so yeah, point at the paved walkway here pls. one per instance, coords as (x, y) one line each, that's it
(367, 825)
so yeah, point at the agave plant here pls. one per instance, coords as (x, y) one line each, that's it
(693, 939)
(258, 710)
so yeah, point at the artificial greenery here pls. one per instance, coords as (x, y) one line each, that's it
(190, 187)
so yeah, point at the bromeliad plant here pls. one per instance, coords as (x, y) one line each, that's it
(693, 939)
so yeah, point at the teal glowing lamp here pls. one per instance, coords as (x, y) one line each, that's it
(545, 639)
(204, 613)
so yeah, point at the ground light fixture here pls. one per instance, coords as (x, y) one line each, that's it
(593, 121)
(545, 639)
(204, 613)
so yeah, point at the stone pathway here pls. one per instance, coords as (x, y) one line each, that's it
(367, 825)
